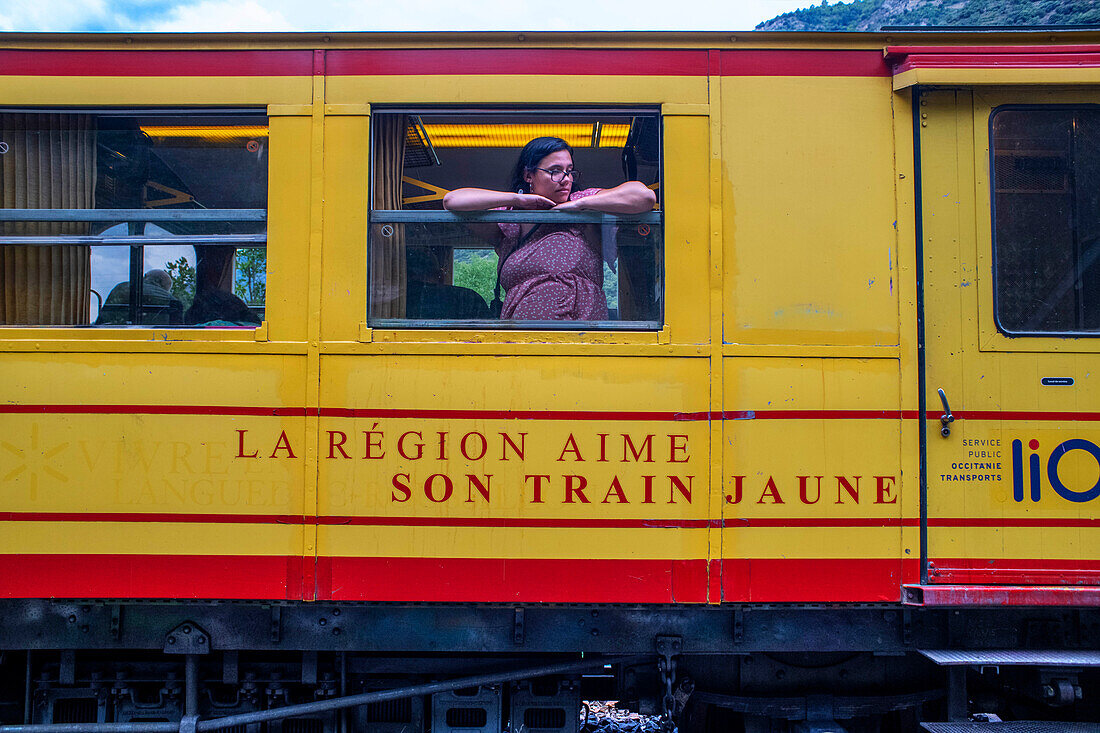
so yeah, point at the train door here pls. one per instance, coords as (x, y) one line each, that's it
(1010, 197)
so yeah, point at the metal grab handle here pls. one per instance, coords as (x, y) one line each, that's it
(946, 418)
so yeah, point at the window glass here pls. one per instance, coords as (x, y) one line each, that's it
(120, 218)
(494, 264)
(1046, 219)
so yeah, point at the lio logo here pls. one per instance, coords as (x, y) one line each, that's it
(1034, 464)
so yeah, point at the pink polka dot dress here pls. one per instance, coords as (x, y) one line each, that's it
(557, 275)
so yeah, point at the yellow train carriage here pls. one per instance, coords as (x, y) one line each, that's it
(842, 381)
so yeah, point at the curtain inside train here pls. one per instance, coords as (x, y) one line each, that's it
(387, 248)
(48, 162)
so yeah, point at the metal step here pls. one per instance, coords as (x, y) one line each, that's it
(1019, 726)
(1012, 657)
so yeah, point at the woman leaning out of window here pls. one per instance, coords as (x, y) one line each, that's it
(550, 271)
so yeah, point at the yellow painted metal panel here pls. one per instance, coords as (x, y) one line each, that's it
(288, 228)
(818, 466)
(146, 463)
(159, 538)
(170, 91)
(809, 171)
(811, 384)
(687, 200)
(515, 89)
(540, 468)
(154, 379)
(344, 273)
(830, 469)
(511, 383)
(799, 543)
(521, 543)
(1014, 543)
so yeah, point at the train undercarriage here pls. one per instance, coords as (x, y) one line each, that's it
(95, 667)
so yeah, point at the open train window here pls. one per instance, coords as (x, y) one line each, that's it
(1046, 219)
(126, 218)
(432, 267)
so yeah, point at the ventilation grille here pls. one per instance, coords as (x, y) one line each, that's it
(304, 725)
(391, 711)
(467, 718)
(418, 149)
(544, 718)
(76, 710)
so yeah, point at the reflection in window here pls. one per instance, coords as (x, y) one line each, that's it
(430, 267)
(1046, 221)
(154, 219)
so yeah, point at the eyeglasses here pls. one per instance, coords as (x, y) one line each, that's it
(557, 175)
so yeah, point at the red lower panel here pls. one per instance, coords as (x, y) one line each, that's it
(1014, 572)
(814, 580)
(511, 580)
(150, 576)
(452, 580)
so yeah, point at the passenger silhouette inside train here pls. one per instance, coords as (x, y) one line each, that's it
(215, 303)
(429, 295)
(159, 307)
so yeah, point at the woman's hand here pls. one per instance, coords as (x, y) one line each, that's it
(530, 201)
(631, 197)
(574, 205)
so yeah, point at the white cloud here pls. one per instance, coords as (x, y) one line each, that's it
(46, 15)
(221, 16)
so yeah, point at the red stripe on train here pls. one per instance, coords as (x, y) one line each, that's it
(794, 62)
(186, 410)
(445, 62)
(545, 522)
(642, 416)
(532, 61)
(154, 517)
(235, 577)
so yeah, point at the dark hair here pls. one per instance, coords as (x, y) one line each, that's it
(530, 156)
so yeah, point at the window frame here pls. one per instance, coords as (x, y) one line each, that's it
(992, 191)
(440, 327)
(975, 148)
(136, 219)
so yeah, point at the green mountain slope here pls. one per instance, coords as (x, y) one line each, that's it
(872, 15)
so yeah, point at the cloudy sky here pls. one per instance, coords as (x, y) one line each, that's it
(386, 15)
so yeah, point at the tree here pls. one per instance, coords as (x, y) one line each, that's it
(477, 270)
(183, 281)
(250, 283)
